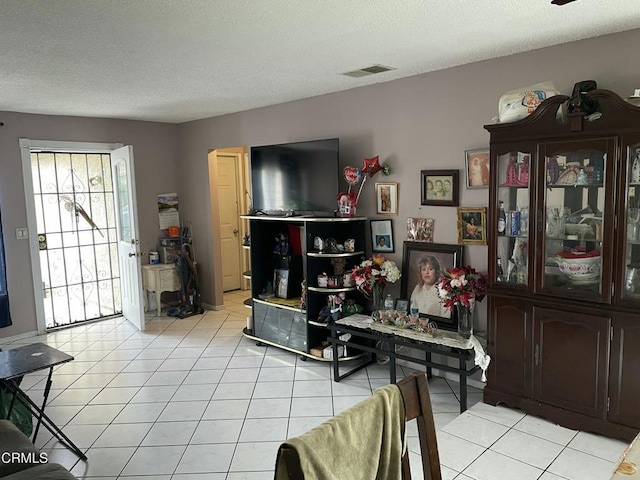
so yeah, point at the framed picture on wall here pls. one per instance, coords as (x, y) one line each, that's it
(382, 236)
(422, 265)
(472, 225)
(440, 187)
(387, 198)
(477, 167)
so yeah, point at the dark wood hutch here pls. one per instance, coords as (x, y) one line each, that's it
(564, 318)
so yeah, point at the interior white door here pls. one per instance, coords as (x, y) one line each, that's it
(124, 187)
(229, 220)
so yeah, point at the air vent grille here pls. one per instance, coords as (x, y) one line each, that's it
(372, 70)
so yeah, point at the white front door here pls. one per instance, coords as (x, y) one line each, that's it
(127, 232)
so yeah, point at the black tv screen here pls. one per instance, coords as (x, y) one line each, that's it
(295, 178)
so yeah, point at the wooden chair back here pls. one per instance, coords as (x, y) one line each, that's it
(417, 405)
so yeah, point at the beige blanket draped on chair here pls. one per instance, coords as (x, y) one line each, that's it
(364, 442)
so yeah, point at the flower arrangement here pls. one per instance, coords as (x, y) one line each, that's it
(461, 285)
(373, 274)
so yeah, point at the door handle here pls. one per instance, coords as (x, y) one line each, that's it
(235, 231)
(139, 254)
(537, 354)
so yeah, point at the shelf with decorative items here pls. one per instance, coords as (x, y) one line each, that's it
(288, 255)
(559, 335)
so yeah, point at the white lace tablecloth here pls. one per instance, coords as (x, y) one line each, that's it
(443, 337)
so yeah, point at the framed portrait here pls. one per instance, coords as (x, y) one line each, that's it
(476, 164)
(386, 198)
(422, 265)
(472, 225)
(382, 236)
(420, 229)
(440, 187)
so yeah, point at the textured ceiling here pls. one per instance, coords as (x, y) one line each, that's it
(179, 60)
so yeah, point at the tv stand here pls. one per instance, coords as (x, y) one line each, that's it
(284, 322)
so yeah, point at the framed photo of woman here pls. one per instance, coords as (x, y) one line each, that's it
(472, 225)
(477, 167)
(422, 265)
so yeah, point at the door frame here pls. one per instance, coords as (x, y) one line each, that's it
(242, 181)
(26, 145)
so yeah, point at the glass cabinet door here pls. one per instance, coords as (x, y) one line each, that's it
(513, 218)
(571, 219)
(632, 220)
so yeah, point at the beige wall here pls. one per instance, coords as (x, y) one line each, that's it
(155, 151)
(422, 122)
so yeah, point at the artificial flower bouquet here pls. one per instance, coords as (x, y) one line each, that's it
(461, 285)
(373, 274)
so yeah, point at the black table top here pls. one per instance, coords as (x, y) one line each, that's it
(30, 358)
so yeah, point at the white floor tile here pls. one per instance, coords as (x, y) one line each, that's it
(545, 429)
(170, 433)
(255, 456)
(475, 429)
(300, 425)
(103, 462)
(502, 415)
(598, 446)
(226, 409)
(183, 411)
(233, 391)
(454, 452)
(527, 448)
(123, 435)
(206, 458)
(199, 377)
(269, 408)
(140, 412)
(493, 466)
(154, 460)
(240, 375)
(264, 430)
(273, 390)
(217, 431)
(575, 465)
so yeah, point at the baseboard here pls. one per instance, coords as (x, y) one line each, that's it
(208, 306)
(20, 336)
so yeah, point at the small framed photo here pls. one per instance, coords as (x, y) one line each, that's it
(440, 187)
(476, 164)
(382, 236)
(472, 225)
(387, 198)
(402, 304)
(420, 229)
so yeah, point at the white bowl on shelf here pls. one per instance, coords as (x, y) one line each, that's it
(579, 268)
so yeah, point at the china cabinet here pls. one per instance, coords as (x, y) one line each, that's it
(563, 322)
(287, 251)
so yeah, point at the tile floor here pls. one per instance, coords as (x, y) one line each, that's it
(193, 399)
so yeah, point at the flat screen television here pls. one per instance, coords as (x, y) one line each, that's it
(295, 178)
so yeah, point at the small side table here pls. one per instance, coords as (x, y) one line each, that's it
(159, 278)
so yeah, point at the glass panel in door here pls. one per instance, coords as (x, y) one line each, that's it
(632, 219)
(513, 218)
(573, 225)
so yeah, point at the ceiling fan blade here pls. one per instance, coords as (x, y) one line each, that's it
(561, 2)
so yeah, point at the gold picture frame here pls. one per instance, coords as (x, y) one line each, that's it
(472, 225)
(386, 198)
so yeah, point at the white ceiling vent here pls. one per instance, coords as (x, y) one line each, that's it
(363, 72)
